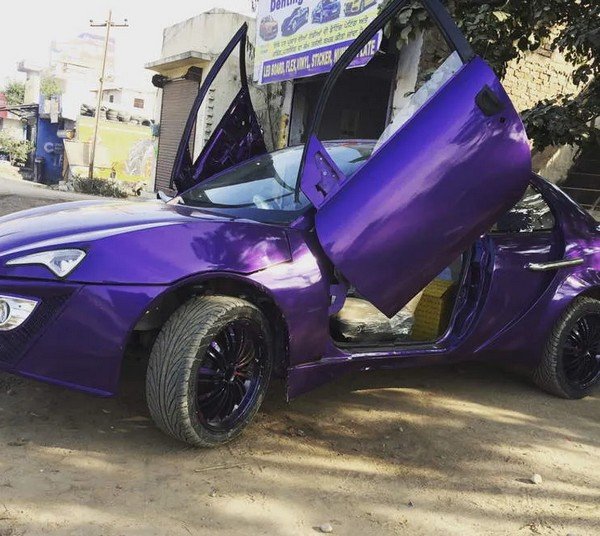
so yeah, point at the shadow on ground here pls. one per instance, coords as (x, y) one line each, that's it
(432, 451)
(444, 450)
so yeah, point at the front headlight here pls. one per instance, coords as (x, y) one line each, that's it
(14, 311)
(60, 262)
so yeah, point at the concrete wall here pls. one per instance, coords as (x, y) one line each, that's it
(12, 126)
(208, 33)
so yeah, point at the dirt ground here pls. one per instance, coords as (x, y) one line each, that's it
(445, 451)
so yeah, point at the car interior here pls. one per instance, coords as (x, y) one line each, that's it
(425, 318)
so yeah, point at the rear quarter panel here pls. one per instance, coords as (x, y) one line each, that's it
(521, 340)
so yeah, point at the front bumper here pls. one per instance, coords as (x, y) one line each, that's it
(77, 335)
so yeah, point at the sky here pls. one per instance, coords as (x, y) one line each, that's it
(31, 25)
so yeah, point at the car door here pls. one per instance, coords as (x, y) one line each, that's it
(236, 138)
(526, 241)
(442, 175)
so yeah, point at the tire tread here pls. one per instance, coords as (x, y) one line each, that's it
(193, 325)
(548, 374)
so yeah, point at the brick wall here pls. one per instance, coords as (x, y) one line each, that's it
(540, 75)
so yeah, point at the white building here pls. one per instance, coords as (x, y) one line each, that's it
(189, 50)
(137, 102)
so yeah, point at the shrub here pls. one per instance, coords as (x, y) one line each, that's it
(101, 187)
(17, 150)
(50, 87)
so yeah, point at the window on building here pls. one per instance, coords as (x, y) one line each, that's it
(138, 103)
(111, 98)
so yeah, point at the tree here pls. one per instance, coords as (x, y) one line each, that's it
(50, 87)
(14, 92)
(505, 30)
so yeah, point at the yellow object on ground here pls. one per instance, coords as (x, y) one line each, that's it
(433, 311)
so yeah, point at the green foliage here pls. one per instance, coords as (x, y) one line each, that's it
(17, 150)
(505, 30)
(568, 119)
(50, 87)
(101, 187)
(15, 92)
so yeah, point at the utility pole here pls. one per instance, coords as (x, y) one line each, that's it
(108, 24)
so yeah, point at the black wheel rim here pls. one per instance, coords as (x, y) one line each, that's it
(230, 374)
(581, 353)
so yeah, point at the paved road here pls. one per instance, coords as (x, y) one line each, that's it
(17, 195)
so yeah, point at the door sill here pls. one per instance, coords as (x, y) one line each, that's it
(370, 349)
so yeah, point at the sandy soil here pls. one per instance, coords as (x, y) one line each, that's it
(419, 452)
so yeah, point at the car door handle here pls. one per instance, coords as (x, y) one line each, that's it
(554, 265)
(489, 103)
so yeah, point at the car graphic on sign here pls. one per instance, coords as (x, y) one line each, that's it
(297, 19)
(354, 7)
(268, 28)
(326, 10)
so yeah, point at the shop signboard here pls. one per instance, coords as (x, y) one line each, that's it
(300, 38)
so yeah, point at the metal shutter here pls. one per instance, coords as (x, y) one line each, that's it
(177, 101)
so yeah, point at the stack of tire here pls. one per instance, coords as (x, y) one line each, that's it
(115, 115)
(112, 115)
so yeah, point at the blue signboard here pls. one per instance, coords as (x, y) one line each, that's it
(299, 38)
(50, 147)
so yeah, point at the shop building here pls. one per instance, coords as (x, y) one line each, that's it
(189, 51)
(361, 104)
(294, 46)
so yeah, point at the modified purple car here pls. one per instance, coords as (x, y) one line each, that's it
(433, 244)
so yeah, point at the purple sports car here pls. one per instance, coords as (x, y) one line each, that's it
(433, 244)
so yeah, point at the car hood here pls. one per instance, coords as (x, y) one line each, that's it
(140, 243)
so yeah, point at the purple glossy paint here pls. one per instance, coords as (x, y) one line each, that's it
(442, 181)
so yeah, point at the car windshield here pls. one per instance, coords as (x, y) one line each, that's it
(267, 184)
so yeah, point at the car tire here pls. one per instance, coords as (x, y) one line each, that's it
(570, 367)
(195, 367)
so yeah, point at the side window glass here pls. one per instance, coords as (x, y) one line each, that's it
(412, 64)
(426, 61)
(530, 214)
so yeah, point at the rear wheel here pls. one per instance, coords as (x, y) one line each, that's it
(209, 370)
(570, 367)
